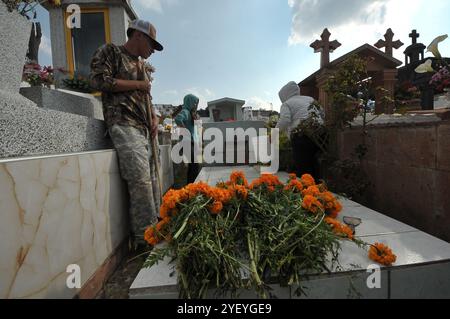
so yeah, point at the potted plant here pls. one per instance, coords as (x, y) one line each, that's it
(36, 75)
(78, 84)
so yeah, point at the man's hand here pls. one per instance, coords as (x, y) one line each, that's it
(144, 86)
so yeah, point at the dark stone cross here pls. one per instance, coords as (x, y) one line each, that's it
(415, 52)
(325, 47)
(388, 42)
(414, 35)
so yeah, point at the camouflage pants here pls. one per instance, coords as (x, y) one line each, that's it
(137, 168)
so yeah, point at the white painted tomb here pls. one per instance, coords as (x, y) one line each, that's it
(422, 269)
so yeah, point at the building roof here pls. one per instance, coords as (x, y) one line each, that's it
(125, 3)
(366, 48)
(225, 100)
(129, 8)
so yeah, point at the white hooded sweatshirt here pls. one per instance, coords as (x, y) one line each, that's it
(294, 108)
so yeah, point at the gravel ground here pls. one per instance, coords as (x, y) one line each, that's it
(119, 283)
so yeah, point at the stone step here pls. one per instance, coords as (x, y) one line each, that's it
(28, 130)
(65, 101)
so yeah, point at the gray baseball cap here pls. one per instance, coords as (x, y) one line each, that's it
(148, 29)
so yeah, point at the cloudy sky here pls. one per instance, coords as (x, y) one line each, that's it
(248, 49)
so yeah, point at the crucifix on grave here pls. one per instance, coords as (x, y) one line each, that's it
(388, 43)
(325, 47)
(414, 35)
(415, 52)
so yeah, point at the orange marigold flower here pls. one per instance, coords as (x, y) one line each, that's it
(339, 228)
(292, 176)
(241, 191)
(336, 209)
(160, 225)
(150, 236)
(266, 179)
(294, 185)
(216, 207)
(327, 196)
(238, 177)
(382, 254)
(311, 190)
(164, 211)
(222, 184)
(311, 204)
(307, 180)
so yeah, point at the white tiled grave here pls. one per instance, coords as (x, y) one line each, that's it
(422, 269)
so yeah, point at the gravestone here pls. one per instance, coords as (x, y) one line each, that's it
(419, 256)
(414, 56)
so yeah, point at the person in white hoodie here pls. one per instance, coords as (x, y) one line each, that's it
(295, 108)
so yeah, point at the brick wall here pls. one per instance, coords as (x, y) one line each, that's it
(409, 169)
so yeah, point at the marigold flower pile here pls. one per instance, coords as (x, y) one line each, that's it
(315, 199)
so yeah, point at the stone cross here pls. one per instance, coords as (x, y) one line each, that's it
(388, 42)
(414, 35)
(325, 47)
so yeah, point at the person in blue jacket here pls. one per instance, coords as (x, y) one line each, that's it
(186, 115)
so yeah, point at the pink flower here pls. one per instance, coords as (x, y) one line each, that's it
(48, 69)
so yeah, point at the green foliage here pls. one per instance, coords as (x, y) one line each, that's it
(349, 83)
(350, 89)
(78, 84)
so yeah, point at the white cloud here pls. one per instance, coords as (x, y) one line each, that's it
(258, 103)
(352, 22)
(45, 48)
(46, 45)
(155, 5)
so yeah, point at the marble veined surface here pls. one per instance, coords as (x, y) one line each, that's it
(56, 211)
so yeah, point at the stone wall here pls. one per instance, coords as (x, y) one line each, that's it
(408, 166)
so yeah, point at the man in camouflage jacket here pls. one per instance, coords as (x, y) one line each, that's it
(120, 74)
